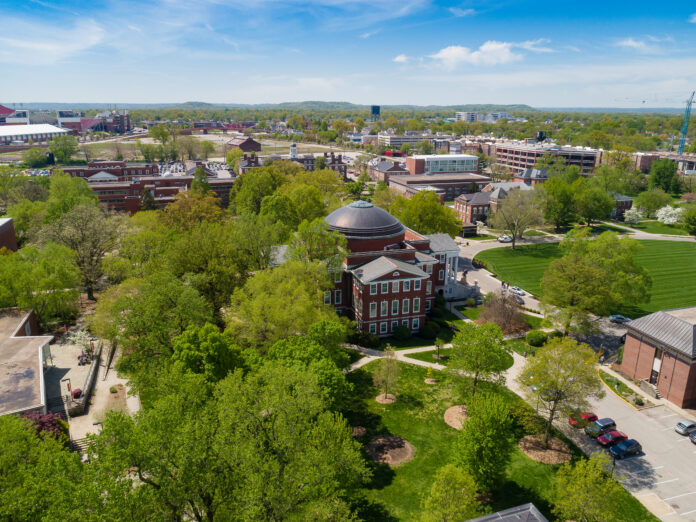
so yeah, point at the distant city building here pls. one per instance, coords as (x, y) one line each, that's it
(13, 116)
(248, 162)
(245, 144)
(468, 117)
(21, 134)
(395, 141)
(375, 111)
(382, 170)
(517, 156)
(442, 164)
(621, 205)
(114, 170)
(117, 122)
(531, 177)
(473, 207)
(447, 186)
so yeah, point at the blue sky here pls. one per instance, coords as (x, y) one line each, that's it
(550, 54)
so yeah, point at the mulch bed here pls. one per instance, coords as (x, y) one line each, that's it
(557, 452)
(456, 415)
(390, 450)
(385, 398)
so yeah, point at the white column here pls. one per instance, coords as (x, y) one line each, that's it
(456, 268)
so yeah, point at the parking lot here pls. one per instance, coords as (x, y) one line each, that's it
(663, 476)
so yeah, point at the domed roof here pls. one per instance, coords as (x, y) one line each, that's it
(361, 219)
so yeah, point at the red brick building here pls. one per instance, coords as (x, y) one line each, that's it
(8, 239)
(448, 186)
(245, 144)
(392, 274)
(474, 207)
(661, 350)
(118, 170)
(383, 170)
(621, 205)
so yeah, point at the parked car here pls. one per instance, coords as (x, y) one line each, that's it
(517, 299)
(600, 427)
(619, 319)
(611, 437)
(685, 427)
(692, 437)
(505, 239)
(516, 290)
(625, 449)
(579, 419)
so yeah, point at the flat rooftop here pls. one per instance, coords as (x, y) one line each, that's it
(22, 130)
(21, 367)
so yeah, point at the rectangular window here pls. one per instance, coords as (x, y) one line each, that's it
(384, 308)
(373, 309)
(428, 287)
(373, 328)
(407, 286)
(394, 325)
(338, 297)
(404, 323)
(428, 269)
(385, 288)
(327, 297)
(417, 284)
(427, 305)
(338, 276)
(441, 275)
(416, 305)
(373, 289)
(404, 306)
(395, 307)
(382, 328)
(442, 258)
(416, 324)
(395, 287)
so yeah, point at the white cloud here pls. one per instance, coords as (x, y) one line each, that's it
(460, 13)
(490, 53)
(402, 58)
(692, 18)
(34, 44)
(369, 34)
(638, 45)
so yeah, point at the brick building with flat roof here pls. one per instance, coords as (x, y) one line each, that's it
(121, 170)
(382, 170)
(442, 164)
(391, 275)
(448, 185)
(8, 238)
(660, 349)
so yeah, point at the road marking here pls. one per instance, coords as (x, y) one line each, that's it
(666, 481)
(682, 495)
(670, 415)
(665, 429)
(688, 512)
(683, 440)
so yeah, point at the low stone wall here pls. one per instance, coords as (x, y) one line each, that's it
(648, 388)
(79, 406)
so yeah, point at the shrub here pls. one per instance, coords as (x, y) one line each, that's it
(440, 302)
(401, 333)
(502, 310)
(436, 313)
(554, 335)
(619, 356)
(526, 419)
(430, 330)
(638, 401)
(112, 389)
(536, 338)
(365, 339)
(470, 302)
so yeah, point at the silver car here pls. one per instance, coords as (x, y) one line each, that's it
(685, 427)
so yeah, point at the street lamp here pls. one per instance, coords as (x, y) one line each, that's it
(67, 406)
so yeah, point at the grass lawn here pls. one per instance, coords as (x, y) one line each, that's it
(480, 238)
(670, 263)
(532, 321)
(417, 416)
(444, 352)
(655, 227)
(533, 233)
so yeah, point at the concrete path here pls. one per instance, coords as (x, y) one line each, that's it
(640, 234)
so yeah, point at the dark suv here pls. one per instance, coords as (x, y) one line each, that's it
(600, 427)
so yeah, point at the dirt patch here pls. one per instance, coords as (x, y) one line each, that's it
(359, 431)
(390, 450)
(117, 398)
(439, 357)
(430, 381)
(557, 452)
(385, 398)
(456, 415)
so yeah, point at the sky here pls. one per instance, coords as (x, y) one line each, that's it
(612, 53)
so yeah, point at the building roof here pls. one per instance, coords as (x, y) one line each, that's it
(523, 513)
(442, 243)
(673, 328)
(239, 141)
(386, 265)
(386, 165)
(422, 257)
(621, 197)
(476, 198)
(21, 130)
(533, 174)
(444, 156)
(508, 185)
(6, 111)
(363, 220)
(21, 368)
(424, 179)
(103, 176)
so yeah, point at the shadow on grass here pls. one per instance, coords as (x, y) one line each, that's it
(510, 493)
(371, 511)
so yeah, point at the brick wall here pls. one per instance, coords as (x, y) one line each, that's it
(8, 239)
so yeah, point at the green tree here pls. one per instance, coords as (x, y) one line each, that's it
(87, 231)
(405, 148)
(387, 372)
(278, 302)
(560, 377)
(200, 181)
(313, 241)
(65, 193)
(34, 157)
(160, 133)
(232, 157)
(592, 203)
(384, 197)
(250, 188)
(424, 147)
(207, 351)
(484, 445)
(279, 208)
(320, 163)
(518, 212)
(308, 201)
(147, 201)
(191, 208)
(27, 216)
(652, 200)
(453, 497)
(63, 148)
(663, 175)
(206, 148)
(586, 492)
(689, 219)
(557, 199)
(424, 213)
(479, 353)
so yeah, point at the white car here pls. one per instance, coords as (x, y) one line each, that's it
(505, 239)
(516, 290)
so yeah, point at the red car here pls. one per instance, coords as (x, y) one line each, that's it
(578, 419)
(611, 437)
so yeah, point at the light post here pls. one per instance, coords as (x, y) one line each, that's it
(67, 406)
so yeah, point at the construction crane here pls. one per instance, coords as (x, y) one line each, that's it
(685, 126)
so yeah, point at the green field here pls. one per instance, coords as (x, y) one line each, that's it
(672, 265)
(655, 227)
